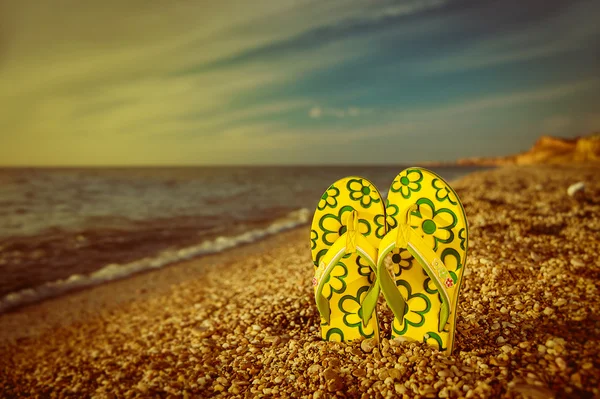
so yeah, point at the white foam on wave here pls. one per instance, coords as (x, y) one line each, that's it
(116, 271)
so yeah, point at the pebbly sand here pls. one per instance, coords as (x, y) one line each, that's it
(244, 324)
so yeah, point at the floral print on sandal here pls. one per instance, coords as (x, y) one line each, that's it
(344, 238)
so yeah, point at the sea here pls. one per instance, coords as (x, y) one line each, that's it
(63, 229)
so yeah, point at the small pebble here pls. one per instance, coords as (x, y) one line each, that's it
(368, 345)
(575, 188)
(577, 262)
(561, 363)
(560, 302)
(548, 311)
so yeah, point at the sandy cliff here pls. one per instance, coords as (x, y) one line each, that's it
(549, 150)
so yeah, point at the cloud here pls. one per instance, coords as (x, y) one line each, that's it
(403, 8)
(124, 92)
(323, 25)
(574, 27)
(317, 112)
(91, 81)
(523, 97)
(398, 131)
(472, 105)
(354, 111)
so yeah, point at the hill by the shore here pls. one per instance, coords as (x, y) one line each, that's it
(548, 150)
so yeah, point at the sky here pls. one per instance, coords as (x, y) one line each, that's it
(183, 82)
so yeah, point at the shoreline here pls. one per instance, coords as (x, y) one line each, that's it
(243, 323)
(89, 301)
(165, 258)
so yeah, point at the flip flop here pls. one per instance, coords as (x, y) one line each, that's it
(346, 230)
(427, 238)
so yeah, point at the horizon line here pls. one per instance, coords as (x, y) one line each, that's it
(117, 166)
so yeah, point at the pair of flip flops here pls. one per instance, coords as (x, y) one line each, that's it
(412, 248)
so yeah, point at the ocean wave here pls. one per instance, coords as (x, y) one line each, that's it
(116, 271)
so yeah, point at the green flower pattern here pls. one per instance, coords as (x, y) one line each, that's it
(347, 284)
(401, 260)
(332, 226)
(463, 239)
(442, 193)
(391, 211)
(335, 280)
(365, 270)
(408, 182)
(361, 190)
(380, 226)
(386, 222)
(435, 226)
(314, 236)
(435, 219)
(335, 334)
(417, 306)
(352, 310)
(328, 199)
(430, 287)
(451, 258)
(433, 336)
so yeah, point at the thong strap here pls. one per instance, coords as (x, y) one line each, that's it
(404, 236)
(352, 241)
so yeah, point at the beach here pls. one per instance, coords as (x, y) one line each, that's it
(243, 323)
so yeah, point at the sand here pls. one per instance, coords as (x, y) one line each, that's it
(243, 323)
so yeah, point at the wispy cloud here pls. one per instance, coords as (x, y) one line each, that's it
(473, 105)
(317, 112)
(189, 82)
(356, 20)
(555, 35)
(519, 98)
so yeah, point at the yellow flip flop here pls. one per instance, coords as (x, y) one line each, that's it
(427, 238)
(346, 230)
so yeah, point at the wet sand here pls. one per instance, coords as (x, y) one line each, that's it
(244, 324)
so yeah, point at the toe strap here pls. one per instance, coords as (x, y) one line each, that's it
(404, 236)
(437, 271)
(349, 242)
